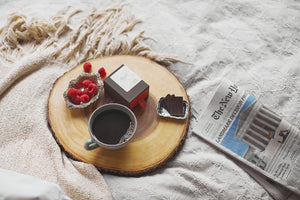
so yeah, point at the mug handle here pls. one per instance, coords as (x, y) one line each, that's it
(90, 145)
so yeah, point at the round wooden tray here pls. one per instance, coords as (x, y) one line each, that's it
(157, 138)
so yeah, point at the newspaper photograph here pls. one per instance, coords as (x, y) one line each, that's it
(239, 123)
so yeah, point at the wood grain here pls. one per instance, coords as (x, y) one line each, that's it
(157, 138)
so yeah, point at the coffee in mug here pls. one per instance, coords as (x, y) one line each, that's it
(111, 126)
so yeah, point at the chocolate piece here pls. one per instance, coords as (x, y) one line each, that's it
(126, 87)
(173, 104)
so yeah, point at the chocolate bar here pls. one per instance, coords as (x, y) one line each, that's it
(173, 104)
(126, 87)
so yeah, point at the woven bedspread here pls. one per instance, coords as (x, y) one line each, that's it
(254, 44)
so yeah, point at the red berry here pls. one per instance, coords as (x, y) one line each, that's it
(78, 92)
(87, 67)
(79, 84)
(76, 100)
(86, 82)
(72, 92)
(85, 91)
(84, 98)
(92, 89)
(102, 72)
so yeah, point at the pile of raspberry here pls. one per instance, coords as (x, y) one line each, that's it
(85, 89)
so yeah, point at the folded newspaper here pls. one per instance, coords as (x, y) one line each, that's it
(238, 124)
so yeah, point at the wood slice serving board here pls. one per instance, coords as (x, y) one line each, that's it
(157, 138)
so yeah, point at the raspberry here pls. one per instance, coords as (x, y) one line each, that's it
(93, 80)
(74, 95)
(76, 100)
(85, 91)
(87, 67)
(86, 82)
(102, 72)
(78, 92)
(79, 84)
(84, 98)
(92, 89)
(72, 92)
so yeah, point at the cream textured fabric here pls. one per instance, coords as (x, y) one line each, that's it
(253, 43)
(34, 53)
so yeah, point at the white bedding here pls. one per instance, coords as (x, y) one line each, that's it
(14, 185)
(252, 43)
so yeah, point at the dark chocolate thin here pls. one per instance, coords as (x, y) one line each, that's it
(174, 105)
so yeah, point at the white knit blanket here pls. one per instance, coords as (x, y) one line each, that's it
(34, 53)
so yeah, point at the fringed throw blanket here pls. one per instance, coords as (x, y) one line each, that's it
(33, 54)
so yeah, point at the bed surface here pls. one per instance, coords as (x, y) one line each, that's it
(254, 44)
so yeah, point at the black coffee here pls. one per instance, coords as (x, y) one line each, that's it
(110, 126)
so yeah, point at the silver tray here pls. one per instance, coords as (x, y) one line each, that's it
(161, 111)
